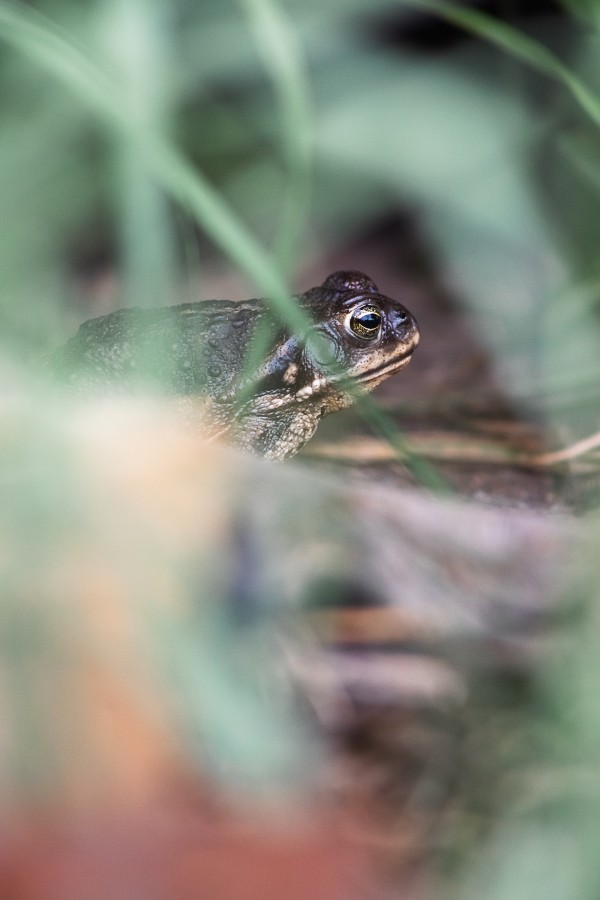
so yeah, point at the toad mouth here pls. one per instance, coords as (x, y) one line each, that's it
(386, 368)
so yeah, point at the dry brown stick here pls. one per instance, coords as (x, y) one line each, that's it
(572, 451)
(450, 448)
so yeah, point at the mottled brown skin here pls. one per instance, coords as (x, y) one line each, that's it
(206, 350)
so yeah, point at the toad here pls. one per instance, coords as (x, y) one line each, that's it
(262, 385)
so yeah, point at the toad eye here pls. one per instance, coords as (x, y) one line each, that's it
(365, 322)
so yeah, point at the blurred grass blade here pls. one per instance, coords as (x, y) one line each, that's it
(583, 158)
(194, 193)
(137, 40)
(388, 431)
(587, 10)
(282, 57)
(518, 45)
(43, 42)
(49, 48)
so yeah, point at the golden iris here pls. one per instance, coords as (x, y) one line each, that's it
(366, 322)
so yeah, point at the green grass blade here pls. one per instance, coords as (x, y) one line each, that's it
(517, 44)
(49, 48)
(45, 44)
(282, 57)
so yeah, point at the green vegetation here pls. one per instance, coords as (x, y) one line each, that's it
(147, 146)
